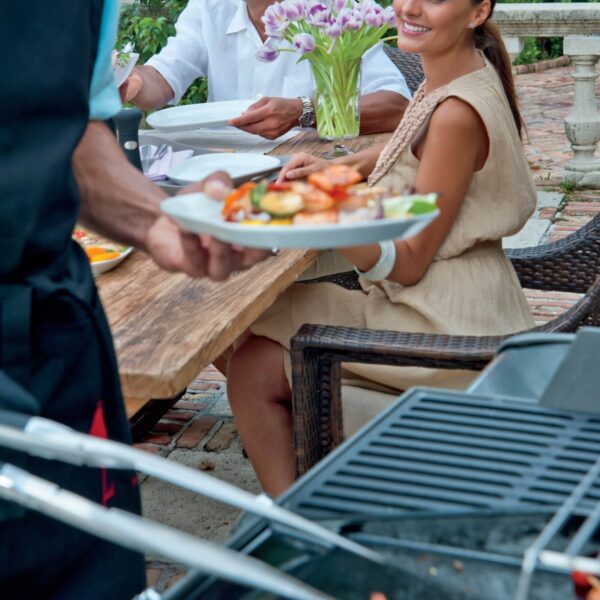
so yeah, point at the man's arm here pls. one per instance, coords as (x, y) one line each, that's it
(271, 117)
(116, 199)
(119, 202)
(381, 111)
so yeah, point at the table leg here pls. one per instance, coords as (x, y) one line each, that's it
(143, 414)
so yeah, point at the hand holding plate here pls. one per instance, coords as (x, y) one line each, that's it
(199, 256)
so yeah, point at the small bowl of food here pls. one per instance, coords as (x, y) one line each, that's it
(103, 254)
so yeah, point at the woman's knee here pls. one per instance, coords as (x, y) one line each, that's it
(257, 367)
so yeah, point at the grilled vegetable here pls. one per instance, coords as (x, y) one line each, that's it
(281, 204)
(257, 193)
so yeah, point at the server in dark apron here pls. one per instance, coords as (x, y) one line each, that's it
(56, 357)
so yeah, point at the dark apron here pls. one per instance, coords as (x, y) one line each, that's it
(56, 355)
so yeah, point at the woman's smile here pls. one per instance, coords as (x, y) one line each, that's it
(410, 28)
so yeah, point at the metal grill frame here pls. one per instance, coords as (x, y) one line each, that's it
(561, 437)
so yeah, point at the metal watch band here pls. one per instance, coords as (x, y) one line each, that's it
(307, 118)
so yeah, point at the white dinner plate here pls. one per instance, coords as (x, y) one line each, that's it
(240, 167)
(194, 116)
(106, 265)
(198, 213)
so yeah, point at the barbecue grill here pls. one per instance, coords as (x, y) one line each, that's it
(445, 495)
(470, 496)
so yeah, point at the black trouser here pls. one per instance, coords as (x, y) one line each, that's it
(73, 376)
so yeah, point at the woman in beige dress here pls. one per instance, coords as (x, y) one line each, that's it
(460, 137)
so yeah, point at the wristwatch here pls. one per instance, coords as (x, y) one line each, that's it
(307, 118)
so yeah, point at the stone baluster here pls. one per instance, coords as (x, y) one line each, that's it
(514, 46)
(582, 125)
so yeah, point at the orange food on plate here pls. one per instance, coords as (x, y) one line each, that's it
(318, 201)
(92, 251)
(334, 177)
(96, 248)
(106, 255)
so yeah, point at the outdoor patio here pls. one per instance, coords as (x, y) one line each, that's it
(199, 431)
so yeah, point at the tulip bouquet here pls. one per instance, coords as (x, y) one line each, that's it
(332, 35)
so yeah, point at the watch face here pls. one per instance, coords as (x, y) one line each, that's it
(308, 119)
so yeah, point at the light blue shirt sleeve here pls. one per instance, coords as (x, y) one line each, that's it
(105, 101)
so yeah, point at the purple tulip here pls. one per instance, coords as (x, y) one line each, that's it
(389, 16)
(334, 30)
(344, 16)
(303, 42)
(375, 17)
(338, 5)
(268, 52)
(275, 21)
(318, 14)
(355, 21)
(293, 9)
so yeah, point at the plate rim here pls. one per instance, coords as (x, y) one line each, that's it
(173, 176)
(197, 125)
(111, 261)
(231, 229)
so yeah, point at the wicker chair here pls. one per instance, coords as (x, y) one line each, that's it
(571, 264)
(408, 64)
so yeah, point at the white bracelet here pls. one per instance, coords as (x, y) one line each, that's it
(384, 266)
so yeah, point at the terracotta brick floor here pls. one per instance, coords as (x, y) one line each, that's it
(198, 421)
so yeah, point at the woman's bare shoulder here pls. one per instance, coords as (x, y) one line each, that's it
(456, 116)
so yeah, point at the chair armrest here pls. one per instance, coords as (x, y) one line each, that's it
(568, 265)
(317, 353)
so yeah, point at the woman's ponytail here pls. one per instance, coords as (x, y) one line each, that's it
(488, 39)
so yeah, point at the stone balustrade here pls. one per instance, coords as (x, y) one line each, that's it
(579, 24)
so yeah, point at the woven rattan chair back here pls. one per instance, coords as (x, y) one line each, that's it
(408, 64)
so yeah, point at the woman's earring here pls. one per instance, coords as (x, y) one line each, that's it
(472, 25)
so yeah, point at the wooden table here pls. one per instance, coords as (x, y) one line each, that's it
(167, 327)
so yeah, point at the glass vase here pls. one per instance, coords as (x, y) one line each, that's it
(337, 98)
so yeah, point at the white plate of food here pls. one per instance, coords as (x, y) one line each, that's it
(103, 254)
(195, 116)
(302, 215)
(239, 167)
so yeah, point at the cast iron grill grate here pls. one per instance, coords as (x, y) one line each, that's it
(441, 451)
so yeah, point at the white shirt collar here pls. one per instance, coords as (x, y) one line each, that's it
(241, 19)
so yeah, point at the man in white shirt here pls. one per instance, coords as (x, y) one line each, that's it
(219, 39)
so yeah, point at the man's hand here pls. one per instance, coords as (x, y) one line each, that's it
(270, 117)
(199, 256)
(146, 88)
(118, 202)
(131, 87)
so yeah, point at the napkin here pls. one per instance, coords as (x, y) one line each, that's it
(157, 171)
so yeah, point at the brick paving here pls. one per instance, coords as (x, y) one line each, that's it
(199, 430)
